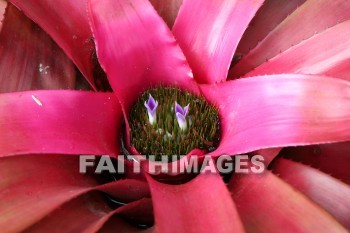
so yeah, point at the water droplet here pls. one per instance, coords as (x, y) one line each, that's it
(43, 69)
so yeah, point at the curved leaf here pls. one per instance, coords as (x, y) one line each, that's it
(33, 186)
(78, 215)
(201, 205)
(310, 56)
(29, 58)
(332, 159)
(326, 191)
(314, 16)
(280, 110)
(62, 122)
(89, 213)
(136, 48)
(270, 15)
(267, 204)
(132, 190)
(67, 23)
(209, 31)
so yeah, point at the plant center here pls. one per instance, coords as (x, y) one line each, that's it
(166, 121)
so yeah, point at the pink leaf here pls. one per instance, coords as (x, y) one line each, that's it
(266, 204)
(310, 56)
(89, 213)
(270, 15)
(280, 110)
(312, 17)
(67, 23)
(32, 186)
(208, 32)
(269, 154)
(79, 215)
(340, 70)
(29, 58)
(68, 122)
(131, 190)
(201, 205)
(138, 212)
(136, 48)
(319, 156)
(326, 191)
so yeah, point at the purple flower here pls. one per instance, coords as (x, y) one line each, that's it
(151, 106)
(181, 115)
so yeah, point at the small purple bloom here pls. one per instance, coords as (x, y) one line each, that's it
(181, 115)
(151, 106)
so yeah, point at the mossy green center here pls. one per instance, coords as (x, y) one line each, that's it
(166, 121)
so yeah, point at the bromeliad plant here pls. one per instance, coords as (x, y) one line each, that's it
(275, 72)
